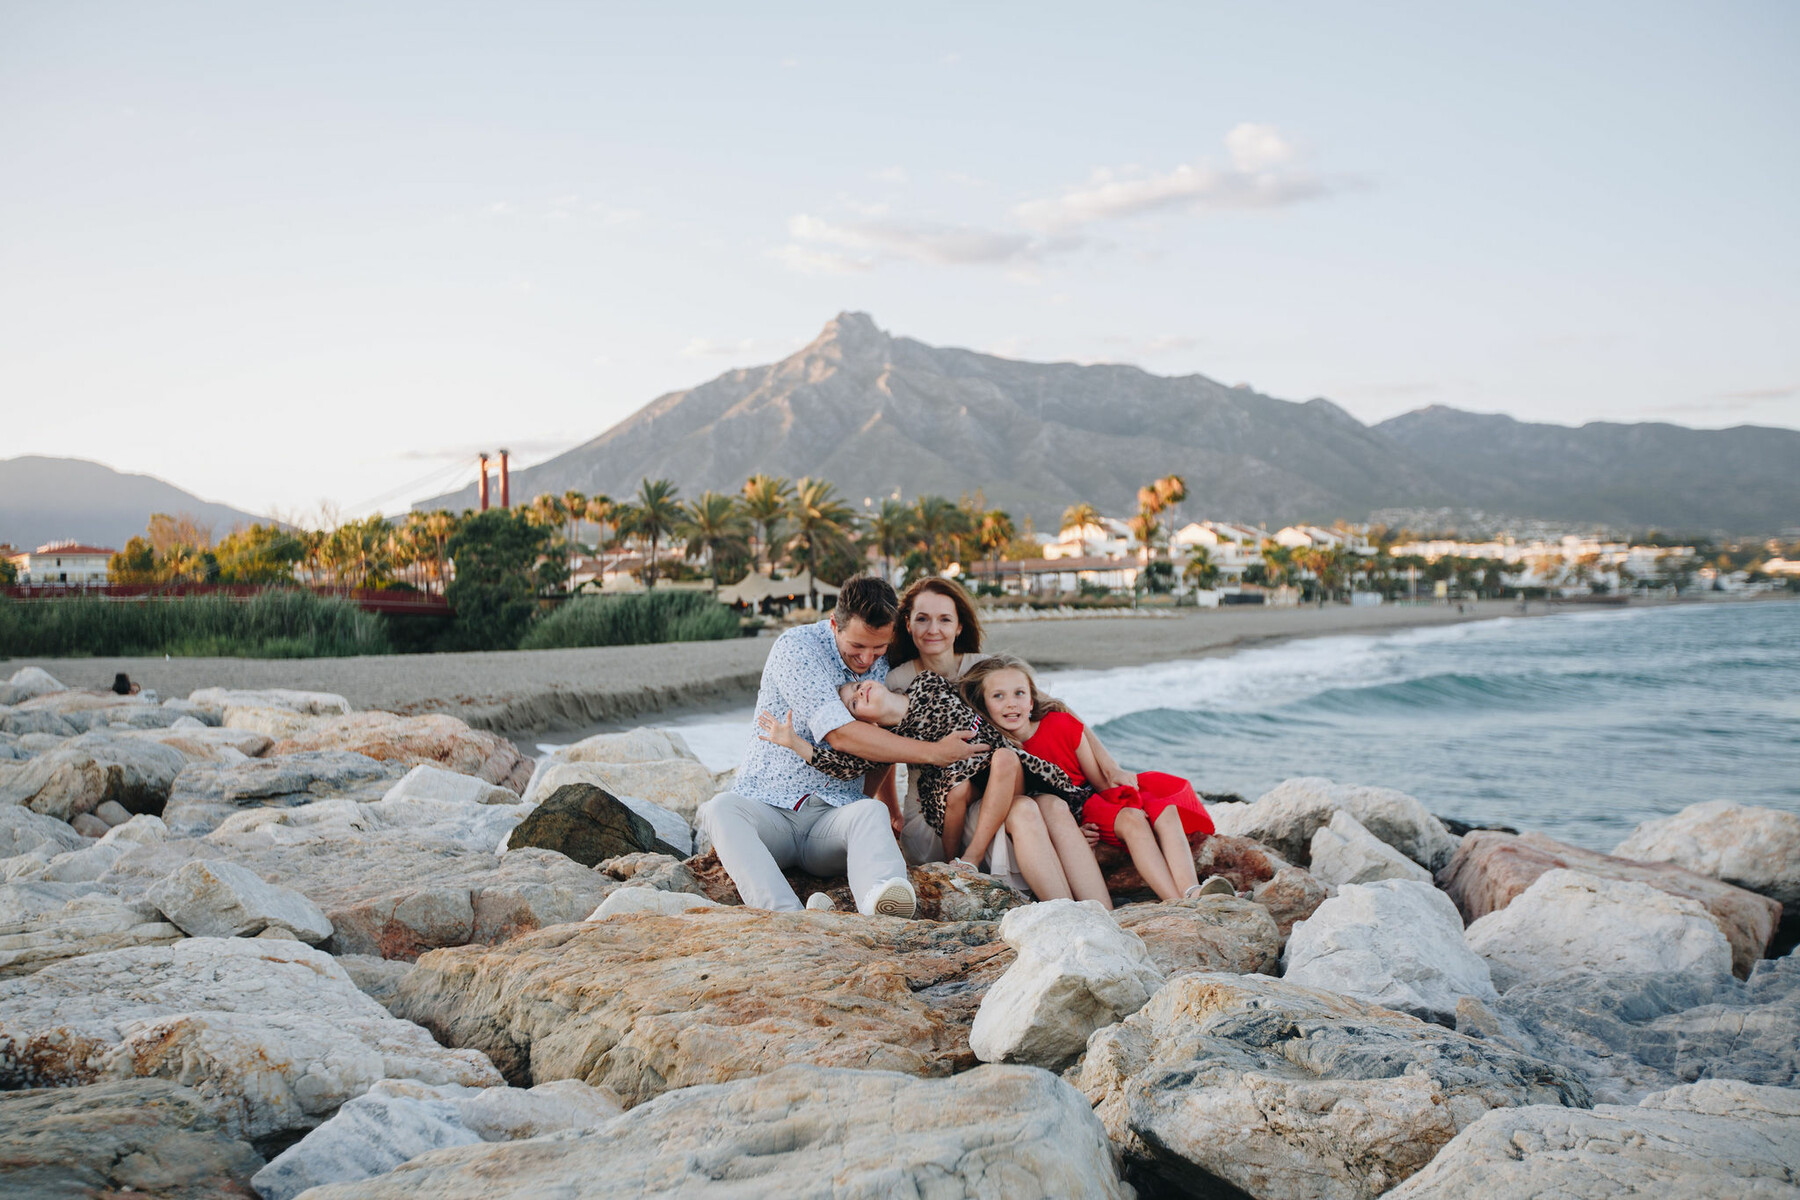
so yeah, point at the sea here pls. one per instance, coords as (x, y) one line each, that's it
(1579, 725)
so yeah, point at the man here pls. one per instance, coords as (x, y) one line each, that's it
(781, 812)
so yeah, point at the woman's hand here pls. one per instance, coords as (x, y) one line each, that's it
(1091, 832)
(780, 732)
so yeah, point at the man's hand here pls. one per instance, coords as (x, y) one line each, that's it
(954, 747)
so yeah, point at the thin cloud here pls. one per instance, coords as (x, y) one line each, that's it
(1262, 171)
(942, 245)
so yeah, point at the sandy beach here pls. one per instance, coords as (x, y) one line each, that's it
(526, 692)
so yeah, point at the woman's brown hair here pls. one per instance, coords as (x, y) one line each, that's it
(973, 679)
(968, 637)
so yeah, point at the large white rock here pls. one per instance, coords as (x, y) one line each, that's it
(22, 831)
(1286, 816)
(670, 826)
(92, 859)
(42, 923)
(206, 743)
(27, 682)
(1572, 921)
(677, 784)
(426, 782)
(86, 771)
(272, 1032)
(312, 704)
(646, 743)
(272, 723)
(1076, 971)
(397, 1120)
(649, 900)
(1754, 848)
(451, 822)
(1713, 1140)
(221, 899)
(1397, 943)
(1344, 852)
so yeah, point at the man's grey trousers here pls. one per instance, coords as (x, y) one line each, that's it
(756, 840)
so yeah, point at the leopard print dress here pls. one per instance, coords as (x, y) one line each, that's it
(934, 709)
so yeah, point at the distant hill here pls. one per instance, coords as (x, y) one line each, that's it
(51, 499)
(874, 413)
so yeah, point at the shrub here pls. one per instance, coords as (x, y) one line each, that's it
(278, 623)
(665, 616)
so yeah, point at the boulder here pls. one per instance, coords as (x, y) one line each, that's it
(425, 782)
(28, 682)
(221, 899)
(640, 745)
(652, 870)
(1344, 852)
(1076, 971)
(588, 825)
(274, 1033)
(1630, 1035)
(149, 1136)
(312, 704)
(942, 894)
(553, 776)
(1291, 895)
(1573, 921)
(994, 1131)
(1244, 862)
(92, 859)
(272, 723)
(22, 831)
(379, 978)
(680, 785)
(1715, 1140)
(635, 899)
(205, 743)
(43, 923)
(87, 771)
(1286, 817)
(397, 1120)
(445, 822)
(113, 813)
(206, 793)
(654, 1003)
(1278, 1091)
(88, 825)
(1757, 849)
(1490, 869)
(1397, 943)
(1209, 933)
(24, 722)
(432, 738)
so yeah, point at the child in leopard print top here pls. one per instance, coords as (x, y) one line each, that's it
(931, 709)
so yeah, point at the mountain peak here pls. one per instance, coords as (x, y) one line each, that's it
(852, 329)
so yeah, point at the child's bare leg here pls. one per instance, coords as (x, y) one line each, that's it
(1035, 854)
(1005, 782)
(1086, 881)
(1176, 851)
(1134, 830)
(956, 811)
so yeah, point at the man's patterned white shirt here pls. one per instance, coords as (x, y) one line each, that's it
(802, 676)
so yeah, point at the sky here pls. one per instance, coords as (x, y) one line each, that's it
(285, 256)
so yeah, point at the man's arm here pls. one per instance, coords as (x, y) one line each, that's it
(878, 745)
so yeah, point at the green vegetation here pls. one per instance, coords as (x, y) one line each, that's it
(665, 616)
(494, 593)
(276, 624)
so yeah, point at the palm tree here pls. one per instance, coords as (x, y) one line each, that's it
(1078, 517)
(1278, 563)
(994, 535)
(574, 508)
(934, 520)
(654, 514)
(1201, 571)
(823, 528)
(766, 504)
(715, 528)
(440, 525)
(891, 529)
(600, 510)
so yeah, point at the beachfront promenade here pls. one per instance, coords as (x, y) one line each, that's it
(532, 691)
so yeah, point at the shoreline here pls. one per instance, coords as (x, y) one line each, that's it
(525, 694)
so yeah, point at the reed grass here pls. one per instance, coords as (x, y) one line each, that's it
(277, 623)
(669, 616)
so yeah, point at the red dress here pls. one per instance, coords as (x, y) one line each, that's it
(1057, 736)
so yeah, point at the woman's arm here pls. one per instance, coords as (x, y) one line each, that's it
(1097, 764)
(824, 759)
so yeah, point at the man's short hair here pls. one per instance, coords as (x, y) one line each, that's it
(870, 599)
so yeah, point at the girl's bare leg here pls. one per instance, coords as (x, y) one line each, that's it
(1133, 828)
(956, 812)
(1034, 852)
(1176, 851)
(1086, 881)
(1005, 782)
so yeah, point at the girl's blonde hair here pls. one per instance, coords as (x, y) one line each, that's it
(974, 679)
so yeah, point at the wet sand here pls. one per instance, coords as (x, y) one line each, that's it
(527, 692)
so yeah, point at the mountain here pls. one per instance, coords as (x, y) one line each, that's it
(52, 499)
(874, 413)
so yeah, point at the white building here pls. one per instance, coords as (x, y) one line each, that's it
(1229, 547)
(1105, 539)
(1294, 537)
(70, 562)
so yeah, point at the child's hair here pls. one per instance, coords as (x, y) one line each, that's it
(975, 678)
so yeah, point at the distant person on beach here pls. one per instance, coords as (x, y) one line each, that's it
(1150, 814)
(939, 631)
(781, 812)
(933, 708)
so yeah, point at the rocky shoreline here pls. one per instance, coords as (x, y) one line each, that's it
(261, 943)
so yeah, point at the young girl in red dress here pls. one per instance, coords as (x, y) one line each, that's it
(1150, 814)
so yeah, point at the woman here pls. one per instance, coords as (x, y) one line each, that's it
(937, 630)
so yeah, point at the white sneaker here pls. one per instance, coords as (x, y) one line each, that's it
(1215, 885)
(890, 898)
(820, 902)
